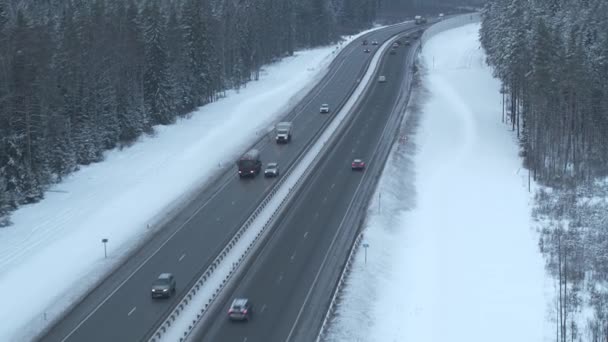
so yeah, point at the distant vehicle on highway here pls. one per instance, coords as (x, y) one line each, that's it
(393, 52)
(419, 20)
(364, 41)
(249, 164)
(382, 79)
(324, 108)
(440, 16)
(272, 170)
(163, 286)
(407, 42)
(358, 164)
(374, 42)
(366, 50)
(240, 309)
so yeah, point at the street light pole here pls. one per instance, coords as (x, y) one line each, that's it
(105, 251)
(365, 245)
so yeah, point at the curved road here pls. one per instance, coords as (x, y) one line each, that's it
(120, 307)
(288, 282)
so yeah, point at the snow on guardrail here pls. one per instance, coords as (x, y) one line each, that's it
(182, 320)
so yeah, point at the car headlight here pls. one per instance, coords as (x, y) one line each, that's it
(165, 290)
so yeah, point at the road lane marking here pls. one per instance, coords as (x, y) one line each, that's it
(132, 311)
(218, 219)
(305, 235)
(245, 339)
(233, 202)
(333, 242)
(332, 185)
(218, 191)
(280, 278)
(263, 308)
(182, 257)
(293, 256)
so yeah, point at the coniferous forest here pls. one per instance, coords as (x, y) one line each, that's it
(81, 77)
(552, 59)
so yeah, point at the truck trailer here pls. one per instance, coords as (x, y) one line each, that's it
(283, 132)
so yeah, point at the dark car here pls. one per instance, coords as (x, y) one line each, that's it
(365, 42)
(366, 50)
(272, 170)
(240, 310)
(393, 51)
(358, 164)
(163, 286)
(407, 42)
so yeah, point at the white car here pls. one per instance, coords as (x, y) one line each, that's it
(272, 170)
(382, 79)
(324, 108)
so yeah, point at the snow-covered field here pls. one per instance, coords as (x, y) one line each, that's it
(53, 252)
(452, 254)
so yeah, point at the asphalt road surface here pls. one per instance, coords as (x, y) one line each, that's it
(279, 280)
(121, 309)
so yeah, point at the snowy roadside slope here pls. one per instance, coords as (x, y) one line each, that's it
(452, 255)
(53, 252)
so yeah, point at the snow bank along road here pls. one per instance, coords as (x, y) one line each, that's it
(120, 308)
(291, 278)
(453, 255)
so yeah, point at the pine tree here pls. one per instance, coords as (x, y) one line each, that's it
(5, 207)
(157, 89)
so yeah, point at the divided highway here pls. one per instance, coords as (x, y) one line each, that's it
(121, 309)
(315, 230)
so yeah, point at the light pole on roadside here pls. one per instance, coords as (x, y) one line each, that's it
(365, 245)
(105, 251)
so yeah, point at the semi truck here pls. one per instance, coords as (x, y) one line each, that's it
(283, 132)
(249, 164)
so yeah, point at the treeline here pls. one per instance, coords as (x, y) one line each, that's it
(81, 77)
(552, 58)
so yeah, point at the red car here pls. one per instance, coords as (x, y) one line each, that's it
(358, 164)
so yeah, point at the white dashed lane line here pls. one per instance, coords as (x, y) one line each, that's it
(182, 257)
(132, 311)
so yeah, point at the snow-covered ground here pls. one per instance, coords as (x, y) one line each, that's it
(452, 253)
(53, 252)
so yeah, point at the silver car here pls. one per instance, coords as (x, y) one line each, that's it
(272, 170)
(324, 108)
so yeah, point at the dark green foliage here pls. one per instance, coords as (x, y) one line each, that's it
(551, 58)
(80, 77)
